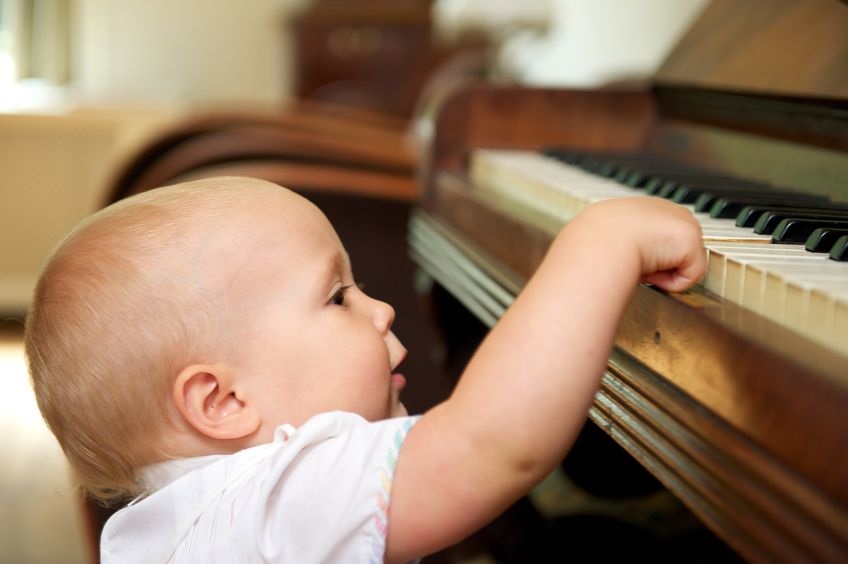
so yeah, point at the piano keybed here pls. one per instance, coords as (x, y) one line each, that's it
(804, 291)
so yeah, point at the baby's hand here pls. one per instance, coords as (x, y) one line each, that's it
(667, 237)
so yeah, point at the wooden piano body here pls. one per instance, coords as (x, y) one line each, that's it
(744, 420)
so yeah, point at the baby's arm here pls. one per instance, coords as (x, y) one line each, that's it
(526, 392)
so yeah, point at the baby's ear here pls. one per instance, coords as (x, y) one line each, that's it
(206, 397)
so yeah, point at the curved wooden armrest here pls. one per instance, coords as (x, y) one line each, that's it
(219, 138)
(317, 178)
(359, 118)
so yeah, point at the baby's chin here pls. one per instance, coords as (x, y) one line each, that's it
(399, 410)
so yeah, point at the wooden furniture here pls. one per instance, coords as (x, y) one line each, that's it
(745, 420)
(373, 54)
(305, 146)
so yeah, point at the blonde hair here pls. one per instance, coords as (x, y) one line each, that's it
(119, 308)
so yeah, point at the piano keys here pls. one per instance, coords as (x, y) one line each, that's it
(801, 290)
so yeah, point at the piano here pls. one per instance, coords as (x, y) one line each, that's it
(733, 394)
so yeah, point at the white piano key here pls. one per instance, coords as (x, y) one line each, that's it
(839, 338)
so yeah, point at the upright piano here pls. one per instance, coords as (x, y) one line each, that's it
(734, 394)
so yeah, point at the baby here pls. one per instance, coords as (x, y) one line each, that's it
(204, 350)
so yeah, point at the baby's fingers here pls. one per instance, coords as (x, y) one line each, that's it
(686, 275)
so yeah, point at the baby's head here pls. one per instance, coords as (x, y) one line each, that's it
(195, 319)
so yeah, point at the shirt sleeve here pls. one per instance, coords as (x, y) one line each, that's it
(330, 503)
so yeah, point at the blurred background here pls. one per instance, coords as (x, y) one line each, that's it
(86, 86)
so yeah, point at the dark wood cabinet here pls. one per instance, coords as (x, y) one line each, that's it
(374, 54)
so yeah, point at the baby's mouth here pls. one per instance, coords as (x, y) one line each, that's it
(397, 379)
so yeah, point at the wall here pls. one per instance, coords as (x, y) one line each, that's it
(53, 169)
(182, 51)
(590, 43)
(219, 50)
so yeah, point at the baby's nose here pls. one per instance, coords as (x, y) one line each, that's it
(397, 352)
(384, 316)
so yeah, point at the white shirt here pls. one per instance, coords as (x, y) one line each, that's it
(316, 494)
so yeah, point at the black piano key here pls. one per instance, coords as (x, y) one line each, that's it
(613, 167)
(599, 166)
(694, 176)
(573, 157)
(768, 222)
(559, 154)
(723, 183)
(717, 183)
(689, 193)
(642, 170)
(685, 194)
(667, 181)
(622, 173)
(687, 190)
(667, 189)
(796, 231)
(654, 185)
(635, 179)
(749, 215)
(732, 206)
(822, 239)
(840, 249)
(631, 169)
(706, 201)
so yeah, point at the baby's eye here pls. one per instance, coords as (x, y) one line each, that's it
(338, 298)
